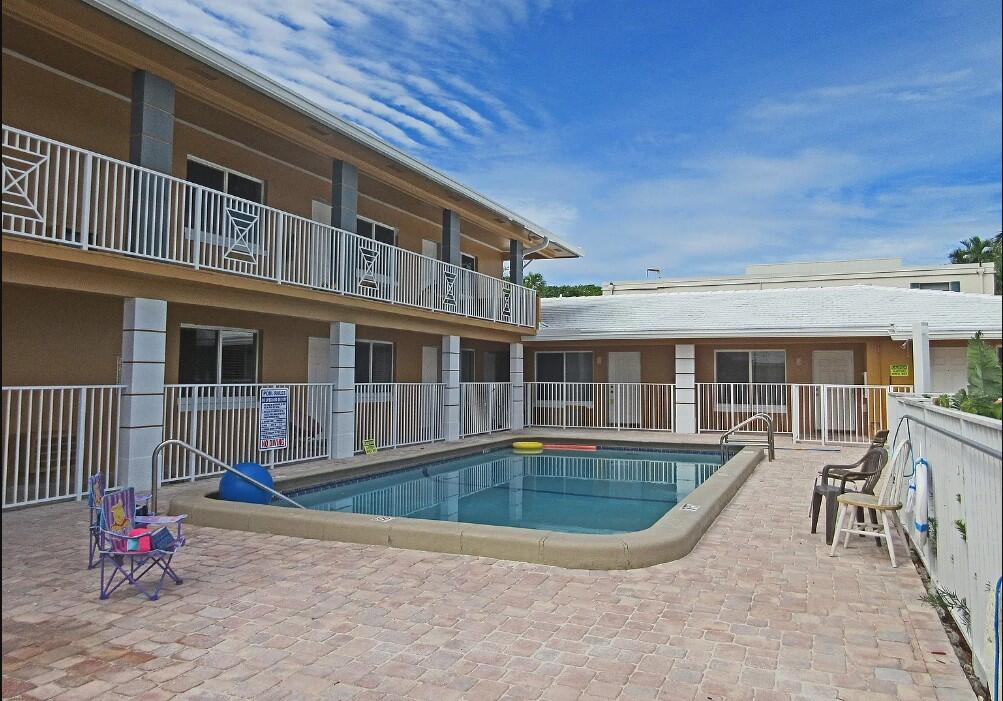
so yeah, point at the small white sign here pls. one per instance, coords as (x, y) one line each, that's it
(273, 418)
(691, 507)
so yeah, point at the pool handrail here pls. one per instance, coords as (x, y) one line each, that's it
(158, 451)
(769, 444)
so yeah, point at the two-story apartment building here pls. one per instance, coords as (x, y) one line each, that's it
(181, 230)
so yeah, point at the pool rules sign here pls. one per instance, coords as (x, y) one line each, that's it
(273, 418)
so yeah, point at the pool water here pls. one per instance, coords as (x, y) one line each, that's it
(607, 491)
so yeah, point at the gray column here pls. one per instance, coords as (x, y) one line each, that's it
(922, 378)
(151, 131)
(451, 378)
(344, 196)
(515, 376)
(450, 249)
(141, 413)
(686, 409)
(515, 261)
(341, 374)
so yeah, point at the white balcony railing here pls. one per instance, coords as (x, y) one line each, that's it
(617, 405)
(55, 438)
(485, 407)
(62, 194)
(809, 412)
(393, 414)
(222, 420)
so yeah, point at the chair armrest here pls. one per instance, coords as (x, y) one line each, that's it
(161, 520)
(852, 477)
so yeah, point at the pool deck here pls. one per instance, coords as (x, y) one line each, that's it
(757, 611)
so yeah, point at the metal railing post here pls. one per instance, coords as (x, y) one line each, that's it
(85, 205)
(81, 440)
(197, 229)
(280, 249)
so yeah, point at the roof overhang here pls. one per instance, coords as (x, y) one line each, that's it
(202, 52)
(899, 333)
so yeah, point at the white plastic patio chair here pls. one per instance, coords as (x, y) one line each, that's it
(885, 502)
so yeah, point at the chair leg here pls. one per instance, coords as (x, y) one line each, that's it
(888, 536)
(840, 518)
(831, 507)
(816, 505)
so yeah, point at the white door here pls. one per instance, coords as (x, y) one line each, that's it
(321, 259)
(429, 374)
(948, 369)
(834, 367)
(624, 399)
(318, 359)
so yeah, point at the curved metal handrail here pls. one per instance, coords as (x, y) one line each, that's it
(158, 451)
(771, 451)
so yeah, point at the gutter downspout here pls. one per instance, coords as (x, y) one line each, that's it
(526, 252)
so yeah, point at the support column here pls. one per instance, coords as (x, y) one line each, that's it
(141, 413)
(515, 372)
(344, 196)
(341, 374)
(451, 393)
(686, 404)
(151, 131)
(515, 253)
(151, 145)
(450, 249)
(922, 379)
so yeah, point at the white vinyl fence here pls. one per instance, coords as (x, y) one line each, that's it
(63, 194)
(809, 412)
(964, 550)
(393, 414)
(55, 438)
(636, 405)
(222, 420)
(485, 407)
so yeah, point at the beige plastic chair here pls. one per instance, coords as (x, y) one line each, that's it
(884, 502)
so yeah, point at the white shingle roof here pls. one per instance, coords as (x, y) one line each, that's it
(857, 310)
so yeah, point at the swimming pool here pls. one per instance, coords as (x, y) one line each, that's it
(606, 491)
(631, 504)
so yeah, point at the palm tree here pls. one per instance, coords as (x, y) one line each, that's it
(974, 250)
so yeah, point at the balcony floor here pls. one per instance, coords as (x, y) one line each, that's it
(757, 611)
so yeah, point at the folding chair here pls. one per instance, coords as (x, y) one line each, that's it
(95, 493)
(128, 558)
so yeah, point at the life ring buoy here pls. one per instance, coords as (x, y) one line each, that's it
(918, 499)
(527, 445)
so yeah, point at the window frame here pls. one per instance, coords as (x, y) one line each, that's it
(587, 399)
(376, 223)
(219, 352)
(938, 286)
(393, 359)
(472, 354)
(215, 394)
(747, 406)
(208, 236)
(470, 256)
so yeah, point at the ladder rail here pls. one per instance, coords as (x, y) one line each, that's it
(769, 444)
(158, 452)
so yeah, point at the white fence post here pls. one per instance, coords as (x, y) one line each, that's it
(81, 445)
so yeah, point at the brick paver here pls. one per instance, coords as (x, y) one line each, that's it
(757, 611)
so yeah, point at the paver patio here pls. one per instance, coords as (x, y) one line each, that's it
(757, 611)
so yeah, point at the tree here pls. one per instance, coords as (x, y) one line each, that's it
(535, 281)
(974, 250)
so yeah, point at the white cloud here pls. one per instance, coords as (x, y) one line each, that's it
(393, 67)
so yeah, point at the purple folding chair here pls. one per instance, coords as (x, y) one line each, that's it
(95, 493)
(127, 558)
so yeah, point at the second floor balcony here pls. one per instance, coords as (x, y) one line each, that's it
(62, 194)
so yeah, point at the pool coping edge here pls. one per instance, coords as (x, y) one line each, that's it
(672, 537)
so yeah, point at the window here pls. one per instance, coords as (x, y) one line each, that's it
(374, 361)
(564, 366)
(952, 286)
(374, 230)
(217, 356)
(468, 261)
(467, 365)
(224, 180)
(757, 367)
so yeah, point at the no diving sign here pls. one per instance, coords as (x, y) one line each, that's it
(273, 418)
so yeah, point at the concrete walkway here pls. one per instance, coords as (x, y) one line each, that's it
(757, 611)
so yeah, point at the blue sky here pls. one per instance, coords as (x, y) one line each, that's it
(696, 137)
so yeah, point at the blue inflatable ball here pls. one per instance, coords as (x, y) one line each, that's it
(233, 488)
